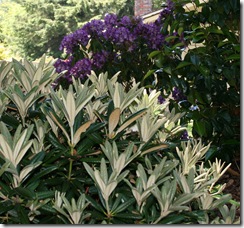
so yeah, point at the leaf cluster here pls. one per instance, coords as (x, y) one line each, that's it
(98, 154)
(203, 62)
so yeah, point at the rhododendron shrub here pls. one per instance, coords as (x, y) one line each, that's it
(111, 45)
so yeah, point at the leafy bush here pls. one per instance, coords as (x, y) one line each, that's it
(96, 153)
(206, 70)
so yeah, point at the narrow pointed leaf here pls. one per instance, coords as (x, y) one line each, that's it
(113, 120)
(130, 121)
(81, 129)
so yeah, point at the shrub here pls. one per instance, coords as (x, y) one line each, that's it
(96, 153)
(110, 45)
(206, 71)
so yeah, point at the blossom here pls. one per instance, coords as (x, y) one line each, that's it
(99, 59)
(62, 65)
(81, 68)
(110, 19)
(161, 99)
(184, 136)
(113, 40)
(168, 10)
(94, 28)
(178, 95)
(74, 40)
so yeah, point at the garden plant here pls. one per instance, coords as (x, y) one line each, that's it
(96, 152)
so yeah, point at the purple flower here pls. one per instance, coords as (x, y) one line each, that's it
(81, 68)
(112, 40)
(153, 36)
(184, 136)
(161, 99)
(165, 12)
(94, 28)
(178, 95)
(111, 19)
(99, 59)
(62, 65)
(125, 21)
(74, 40)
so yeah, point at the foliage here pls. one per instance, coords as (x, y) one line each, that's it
(3, 52)
(195, 59)
(96, 153)
(204, 69)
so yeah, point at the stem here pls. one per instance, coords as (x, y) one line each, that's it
(163, 214)
(107, 207)
(70, 168)
(70, 163)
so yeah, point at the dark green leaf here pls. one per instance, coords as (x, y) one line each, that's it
(25, 192)
(22, 214)
(129, 216)
(183, 64)
(4, 207)
(45, 195)
(38, 157)
(153, 54)
(43, 172)
(173, 219)
(124, 205)
(94, 204)
(48, 208)
(10, 120)
(149, 73)
(200, 128)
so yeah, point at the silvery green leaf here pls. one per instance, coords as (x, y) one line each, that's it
(52, 115)
(110, 188)
(142, 174)
(151, 181)
(185, 198)
(100, 181)
(103, 171)
(221, 201)
(116, 96)
(27, 169)
(5, 149)
(120, 163)
(206, 201)
(4, 167)
(89, 170)
(70, 107)
(122, 176)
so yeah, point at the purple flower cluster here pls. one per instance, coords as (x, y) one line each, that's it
(107, 41)
(81, 68)
(168, 10)
(99, 59)
(62, 65)
(74, 40)
(178, 95)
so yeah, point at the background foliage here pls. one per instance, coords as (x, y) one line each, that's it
(205, 69)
